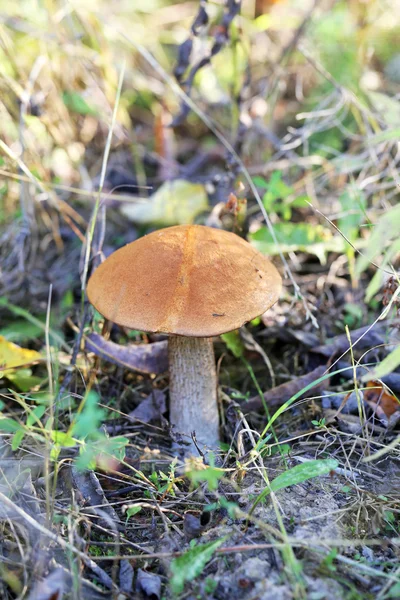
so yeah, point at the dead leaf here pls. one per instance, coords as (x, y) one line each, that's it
(150, 409)
(89, 489)
(192, 525)
(88, 590)
(351, 423)
(146, 358)
(363, 338)
(51, 587)
(126, 574)
(149, 584)
(280, 394)
(381, 401)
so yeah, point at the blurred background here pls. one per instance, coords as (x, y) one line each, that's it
(304, 95)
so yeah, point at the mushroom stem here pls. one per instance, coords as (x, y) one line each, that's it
(193, 390)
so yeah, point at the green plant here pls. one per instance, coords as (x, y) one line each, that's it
(319, 423)
(191, 564)
(279, 197)
(83, 432)
(210, 585)
(383, 246)
(163, 482)
(353, 205)
(209, 474)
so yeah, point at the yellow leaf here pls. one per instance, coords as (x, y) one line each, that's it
(13, 361)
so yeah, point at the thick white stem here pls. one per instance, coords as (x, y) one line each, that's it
(193, 391)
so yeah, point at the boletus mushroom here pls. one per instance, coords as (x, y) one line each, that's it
(192, 282)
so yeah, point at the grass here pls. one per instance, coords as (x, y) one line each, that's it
(296, 116)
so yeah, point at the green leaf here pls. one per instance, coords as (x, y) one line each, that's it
(394, 591)
(21, 312)
(276, 189)
(335, 36)
(102, 445)
(384, 136)
(234, 343)
(35, 415)
(17, 439)
(260, 182)
(303, 472)
(385, 233)
(352, 203)
(231, 507)
(211, 475)
(294, 237)
(387, 107)
(132, 510)
(115, 446)
(21, 331)
(9, 425)
(55, 452)
(63, 439)
(191, 564)
(90, 419)
(76, 103)
(24, 380)
(296, 475)
(282, 449)
(86, 458)
(277, 197)
(386, 366)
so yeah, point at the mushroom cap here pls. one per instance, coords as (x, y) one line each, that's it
(187, 280)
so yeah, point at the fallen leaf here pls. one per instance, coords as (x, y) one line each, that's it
(51, 587)
(126, 574)
(150, 409)
(281, 393)
(88, 487)
(192, 525)
(14, 361)
(363, 338)
(176, 202)
(381, 401)
(60, 575)
(146, 358)
(149, 584)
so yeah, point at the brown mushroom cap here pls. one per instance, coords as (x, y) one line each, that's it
(187, 280)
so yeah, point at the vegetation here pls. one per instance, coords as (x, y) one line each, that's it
(279, 121)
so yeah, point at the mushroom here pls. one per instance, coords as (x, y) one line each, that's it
(192, 282)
